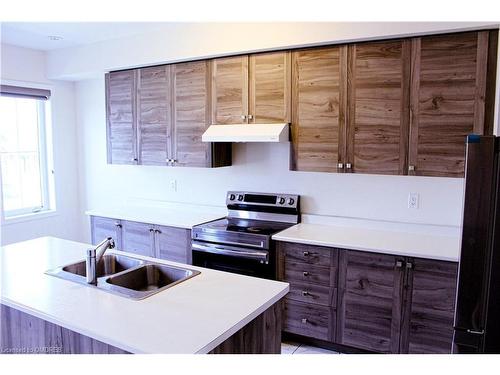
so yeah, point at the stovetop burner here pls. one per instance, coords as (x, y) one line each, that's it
(245, 226)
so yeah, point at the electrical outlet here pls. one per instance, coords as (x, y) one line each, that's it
(413, 200)
(173, 185)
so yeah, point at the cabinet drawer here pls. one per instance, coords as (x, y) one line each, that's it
(320, 256)
(308, 320)
(308, 273)
(312, 293)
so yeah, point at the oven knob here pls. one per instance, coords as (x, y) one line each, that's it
(282, 200)
(240, 197)
(291, 201)
(232, 197)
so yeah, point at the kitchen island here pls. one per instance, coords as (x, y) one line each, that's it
(213, 312)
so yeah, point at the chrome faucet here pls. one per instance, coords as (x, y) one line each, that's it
(93, 258)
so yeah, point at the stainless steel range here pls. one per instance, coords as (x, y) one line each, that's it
(241, 242)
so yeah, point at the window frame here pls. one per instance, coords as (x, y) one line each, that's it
(47, 184)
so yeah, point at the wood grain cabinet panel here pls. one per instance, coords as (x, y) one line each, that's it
(308, 320)
(230, 90)
(378, 105)
(447, 102)
(269, 87)
(369, 311)
(154, 111)
(138, 238)
(191, 113)
(103, 227)
(319, 82)
(173, 244)
(121, 117)
(430, 307)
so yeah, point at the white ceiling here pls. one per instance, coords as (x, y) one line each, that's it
(35, 34)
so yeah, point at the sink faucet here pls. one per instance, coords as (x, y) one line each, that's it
(93, 258)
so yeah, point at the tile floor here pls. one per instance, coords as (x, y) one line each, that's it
(289, 347)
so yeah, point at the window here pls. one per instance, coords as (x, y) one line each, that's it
(23, 151)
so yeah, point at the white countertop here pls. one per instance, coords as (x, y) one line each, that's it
(420, 241)
(192, 317)
(180, 215)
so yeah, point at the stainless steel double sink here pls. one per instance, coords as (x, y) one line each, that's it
(127, 276)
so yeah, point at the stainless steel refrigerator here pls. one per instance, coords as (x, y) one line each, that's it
(477, 314)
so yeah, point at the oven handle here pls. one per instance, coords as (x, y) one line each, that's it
(263, 256)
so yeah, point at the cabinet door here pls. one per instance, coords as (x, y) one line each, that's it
(138, 238)
(230, 90)
(269, 85)
(430, 308)
(319, 81)
(447, 101)
(191, 113)
(154, 115)
(173, 244)
(369, 310)
(121, 117)
(378, 107)
(103, 227)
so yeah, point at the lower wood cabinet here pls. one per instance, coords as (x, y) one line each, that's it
(151, 240)
(310, 306)
(369, 301)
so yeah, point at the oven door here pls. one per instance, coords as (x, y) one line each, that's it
(244, 261)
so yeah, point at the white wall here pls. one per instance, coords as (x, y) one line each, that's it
(28, 66)
(256, 167)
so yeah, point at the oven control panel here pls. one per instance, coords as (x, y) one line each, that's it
(262, 199)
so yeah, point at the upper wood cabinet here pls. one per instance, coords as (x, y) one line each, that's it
(157, 115)
(378, 107)
(154, 113)
(121, 117)
(318, 120)
(230, 90)
(251, 89)
(447, 101)
(191, 111)
(392, 107)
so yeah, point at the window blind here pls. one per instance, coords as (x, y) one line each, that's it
(24, 92)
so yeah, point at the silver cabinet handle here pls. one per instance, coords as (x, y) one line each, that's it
(399, 264)
(305, 293)
(305, 273)
(306, 253)
(304, 320)
(411, 168)
(348, 166)
(340, 166)
(158, 231)
(135, 159)
(151, 230)
(118, 225)
(409, 265)
(250, 117)
(243, 117)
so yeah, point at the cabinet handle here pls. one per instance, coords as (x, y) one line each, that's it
(151, 230)
(411, 168)
(135, 159)
(305, 293)
(118, 225)
(409, 265)
(399, 264)
(305, 273)
(157, 231)
(306, 253)
(304, 320)
(348, 165)
(340, 166)
(250, 117)
(243, 117)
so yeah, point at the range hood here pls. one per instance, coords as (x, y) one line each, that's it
(247, 133)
